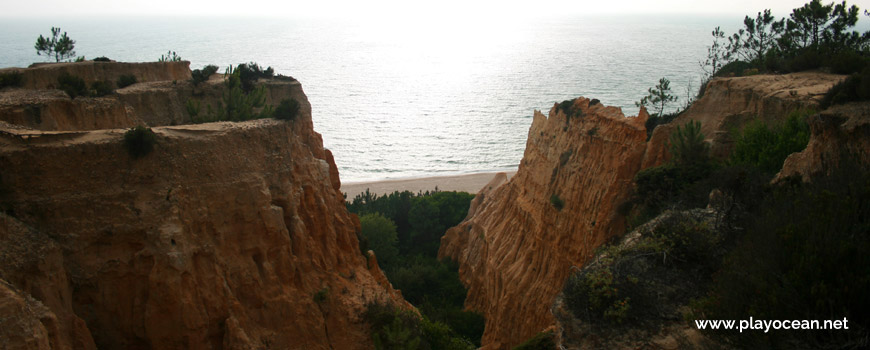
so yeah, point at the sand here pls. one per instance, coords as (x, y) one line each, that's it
(471, 183)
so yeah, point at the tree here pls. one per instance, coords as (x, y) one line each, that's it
(758, 36)
(59, 46)
(717, 54)
(816, 25)
(658, 97)
(687, 145)
(381, 235)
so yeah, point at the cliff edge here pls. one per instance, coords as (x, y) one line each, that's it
(226, 236)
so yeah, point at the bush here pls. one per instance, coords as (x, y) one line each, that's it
(380, 234)
(557, 202)
(101, 88)
(321, 295)
(170, 56)
(541, 341)
(126, 80)
(855, 88)
(687, 145)
(72, 85)
(848, 62)
(202, 75)
(102, 59)
(767, 146)
(288, 109)
(139, 141)
(393, 328)
(803, 256)
(734, 69)
(249, 73)
(11, 79)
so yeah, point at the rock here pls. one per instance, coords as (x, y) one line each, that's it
(730, 103)
(219, 238)
(838, 137)
(515, 248)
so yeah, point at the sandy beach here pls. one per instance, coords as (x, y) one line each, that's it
(468, 183)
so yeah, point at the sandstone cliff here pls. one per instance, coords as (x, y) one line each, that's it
(840, 136)
(516, 247)
(729, 103)
(159, 98)
(226, 236)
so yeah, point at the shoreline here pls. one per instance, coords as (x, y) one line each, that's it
(471, 183)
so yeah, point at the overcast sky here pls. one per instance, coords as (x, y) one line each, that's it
(390, 8)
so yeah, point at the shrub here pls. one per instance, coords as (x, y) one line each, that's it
(249, 73)
(126, 80)
(802, 256)
(101, 88)
(687, 145)
(102, 59)
(170, 56)
(855, 88)
(202, 75)
(767, 146)
(321, 295)
(541, 341)
(735, 68)
(72, 85)
(557, 202)
(11, 79)
(288, 109)
(393, 328)
(847, 62)
(380, 234)
(139, 141)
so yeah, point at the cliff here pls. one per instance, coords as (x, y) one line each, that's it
(839, 137)
(226, 236)
(516, 246)
(158, 99)
(729, 103)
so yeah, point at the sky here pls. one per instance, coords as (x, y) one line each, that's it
(466, 9)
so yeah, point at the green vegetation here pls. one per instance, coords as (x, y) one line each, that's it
(380, 235)
(101, 88)
(73, 86)
(249, 73)
(11, 79)
(855, 88)
(199, 76)
(765, 147)
(557, 202)
(59, 47)
(139, 141)
(170, 56)
(688, 147)
(288, 109)
(102, 59)
(237, 104)
(321, 295)
(541, 341)
(813, 36)
(126, 80)
(393, 328)
(802, 256)
(419, 221)
(658, 97)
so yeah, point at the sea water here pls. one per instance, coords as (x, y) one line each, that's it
(396, 98)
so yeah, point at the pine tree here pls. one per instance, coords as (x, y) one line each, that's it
(59, 46)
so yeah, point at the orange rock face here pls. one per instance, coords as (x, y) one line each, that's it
(838, 137)
(730, 103)
(516, 247)
(226, 236)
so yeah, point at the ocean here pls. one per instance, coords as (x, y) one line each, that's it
(416, 97)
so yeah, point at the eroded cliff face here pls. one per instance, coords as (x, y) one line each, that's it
(226, 236)
(516, 247)
(839, 139)
(159, 98)
(730, 103)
